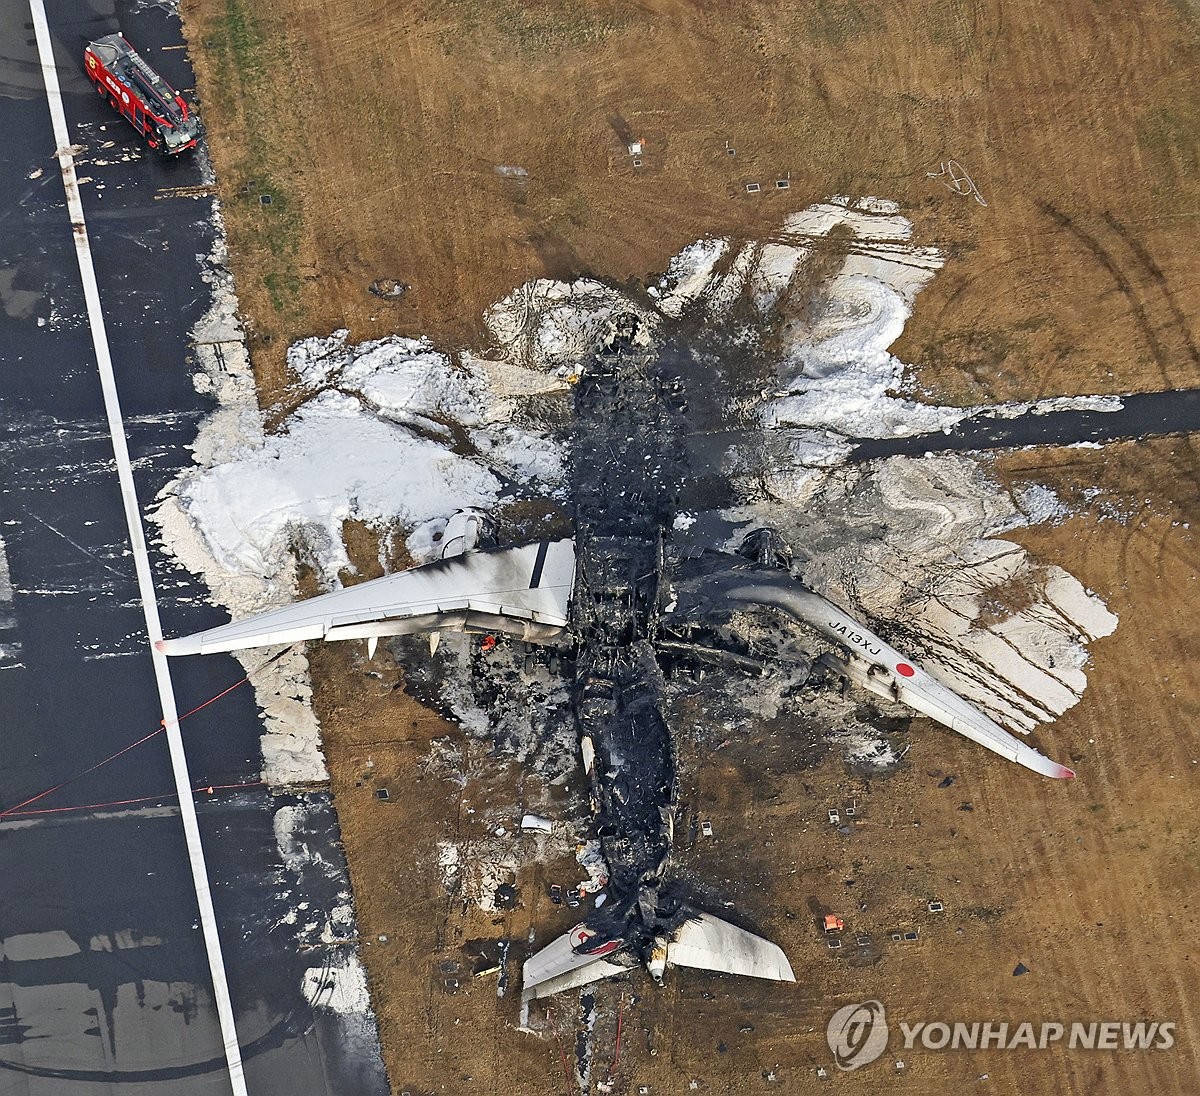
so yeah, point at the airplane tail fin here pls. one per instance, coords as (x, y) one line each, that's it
(561, 966)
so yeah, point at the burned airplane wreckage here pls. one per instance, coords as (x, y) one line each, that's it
(618, 601)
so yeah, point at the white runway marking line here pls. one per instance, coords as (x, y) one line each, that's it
(208, 919)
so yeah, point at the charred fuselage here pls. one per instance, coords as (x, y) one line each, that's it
(626, 471)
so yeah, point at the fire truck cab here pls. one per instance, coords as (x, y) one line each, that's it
(138, 93)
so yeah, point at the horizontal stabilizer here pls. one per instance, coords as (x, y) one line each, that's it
(708, 943)
(518, 591)
(703, 942)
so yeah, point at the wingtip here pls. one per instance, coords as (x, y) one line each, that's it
(160, 645)
(1044, 765)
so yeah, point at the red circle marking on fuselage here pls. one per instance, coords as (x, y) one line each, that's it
(905, 670)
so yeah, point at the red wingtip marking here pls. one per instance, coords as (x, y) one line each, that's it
(1067, 774)
(905, 670)
(160, 644)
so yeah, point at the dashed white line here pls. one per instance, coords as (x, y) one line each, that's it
(116, 427)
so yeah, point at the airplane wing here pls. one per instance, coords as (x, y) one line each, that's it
(930, 697)
(516, 591)
(883, 670)
(873, 664)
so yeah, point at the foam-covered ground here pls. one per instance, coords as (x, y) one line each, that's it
(399, 434)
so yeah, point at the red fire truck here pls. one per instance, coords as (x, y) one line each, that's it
(136, 91)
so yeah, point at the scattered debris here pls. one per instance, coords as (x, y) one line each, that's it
(956, 179)
(835, 818)
(387, 289)
(505, 897)
(1020, 969)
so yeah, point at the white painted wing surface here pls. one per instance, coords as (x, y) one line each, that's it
(883, 670)
(558, 967)
(529, 586)
(708, 943)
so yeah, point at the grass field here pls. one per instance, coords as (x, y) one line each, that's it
(379, 130)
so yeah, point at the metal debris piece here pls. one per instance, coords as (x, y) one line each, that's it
(388, 289)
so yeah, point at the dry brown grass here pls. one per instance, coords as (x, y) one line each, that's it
(378, 129)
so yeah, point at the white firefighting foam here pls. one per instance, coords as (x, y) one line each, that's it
(397, 434)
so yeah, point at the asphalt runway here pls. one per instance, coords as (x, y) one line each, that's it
(1141, 415)
(104, 981)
